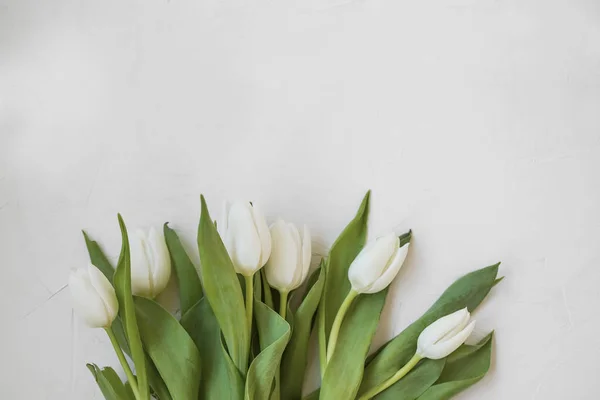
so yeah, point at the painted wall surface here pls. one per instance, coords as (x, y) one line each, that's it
(475, 123)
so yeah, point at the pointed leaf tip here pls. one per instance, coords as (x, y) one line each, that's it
(405, 238)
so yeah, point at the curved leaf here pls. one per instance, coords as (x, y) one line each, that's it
(342, 253)
(274, 333)
(110, 384)
(174, 353)
(293, 363)
(122, 283)
(190, 288)
(416, 382)
(217, 371)
(222, 289)
(463, 369)
(98, 258)
(345, 369)
(468, 291)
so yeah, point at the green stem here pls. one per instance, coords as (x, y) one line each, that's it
(322, 339)
(249, 302)
(337, 323)
(123, 361)
(283, 296)
(395, 378)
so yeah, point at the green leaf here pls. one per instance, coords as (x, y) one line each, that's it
(170, 347)
(98, 258)
(345, 369)
(156, 382)
(274, 334)
(463, 369)
(313, 396)
(190, 288)
(109, 383)
(222, 289)
(342, 253)
(129, 391)
(122, 283)
(154, 378)
(293, 363)
(468, 291)
(220, 379)
(416, 382)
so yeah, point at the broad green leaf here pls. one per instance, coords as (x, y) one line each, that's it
(129, 391)
(157, 384)
(345, 369)
(217, 370)
(98, 258)
(174, 353)
(190, 288)
(274, 334)
(468, 291)
(416, 382)
(463, 369)
(122, 283)
(313, 396)
(222, 289)
(293, 363)
(109, 383)
(342, 253)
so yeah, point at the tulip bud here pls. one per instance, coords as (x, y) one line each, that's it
(377, 264)
(150, 263)
(246, 236)
(445, 335)
(94, 298)
(290, 257)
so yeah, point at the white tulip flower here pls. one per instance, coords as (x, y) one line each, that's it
(290, 257)
(246, 236)
(377, 264)
(150, 263)
(94, 298)
(445, 335)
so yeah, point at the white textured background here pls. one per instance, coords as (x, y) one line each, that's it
(475, 122)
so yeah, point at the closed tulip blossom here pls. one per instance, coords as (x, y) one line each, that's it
(94, 298)
(290, 259)
(438, 340)
(373, 269)
(246, 236)
(445, 335)
(150, 263)
(377, 264)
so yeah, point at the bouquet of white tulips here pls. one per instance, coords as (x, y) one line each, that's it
(248, 312)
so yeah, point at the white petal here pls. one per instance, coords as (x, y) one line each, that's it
(391, 271)
(370, 263)
(437, 330)
(444, 349)
(161, 270)
(105, 290)
(281, 266)
(298, 266)
(244, 240)
(263, 233)
(459, 327)
(87, 303)
(141, 284)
